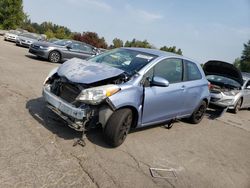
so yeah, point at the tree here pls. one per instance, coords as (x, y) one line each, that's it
(117, 43)
(91, 38)
(236, 63)
(11, 14)
(245, 58)
(49, 33)
(138, 43)
(171, 49)
(60, 33)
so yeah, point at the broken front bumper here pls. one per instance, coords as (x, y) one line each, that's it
(222, 100)
(61, 107)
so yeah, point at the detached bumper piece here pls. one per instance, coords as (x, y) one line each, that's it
(76, 118)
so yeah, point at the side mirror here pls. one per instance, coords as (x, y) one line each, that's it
(159, 81)
(69, 47)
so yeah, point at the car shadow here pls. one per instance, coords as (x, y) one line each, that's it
(213, 113)
(36, 58)
(38, 110)
(49, 120)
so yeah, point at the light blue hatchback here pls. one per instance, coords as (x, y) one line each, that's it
(127, 88)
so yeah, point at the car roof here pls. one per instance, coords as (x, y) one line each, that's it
(156, 52)
(159, 53)
(77, 41)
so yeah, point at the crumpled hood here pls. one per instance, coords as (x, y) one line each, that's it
(87, 72)
(214, 67)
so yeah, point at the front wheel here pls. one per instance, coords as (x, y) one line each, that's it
(199, 113)
(237, 106)
(118, 126)
(54, 57)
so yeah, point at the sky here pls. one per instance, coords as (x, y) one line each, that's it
(204, 30)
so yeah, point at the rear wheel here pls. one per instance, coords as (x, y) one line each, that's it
(118, 126)
(199, 113)
(54, 57)
(237, 106)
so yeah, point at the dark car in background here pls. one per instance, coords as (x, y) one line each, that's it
(62, 50)
(26, 39)
(229, 87)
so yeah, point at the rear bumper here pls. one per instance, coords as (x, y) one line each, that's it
(61, 107)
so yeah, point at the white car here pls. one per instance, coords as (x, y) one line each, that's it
(11, 35)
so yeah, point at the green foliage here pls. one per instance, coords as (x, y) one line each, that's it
(91, 38)
(11, 14)
(138, 43)
(48, 28)
(49, 33)
(171, 49)
(245, 58)
(236, 63)
(117, 43)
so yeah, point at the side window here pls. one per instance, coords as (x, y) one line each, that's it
(75, 46)
(86, 48)
(170, 69)
(192, 72)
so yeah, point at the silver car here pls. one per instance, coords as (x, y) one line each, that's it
(62, 50)
(229, 87)
(11, 35)
(26, 39)
(127, 88)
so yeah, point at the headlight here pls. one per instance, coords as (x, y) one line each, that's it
(96, 95)
(51, 73)
(44, 47)
(231, 93)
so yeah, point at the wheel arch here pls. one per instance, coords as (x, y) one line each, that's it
(56, 50)
(135, 114)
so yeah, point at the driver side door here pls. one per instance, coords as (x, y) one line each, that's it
(164, 103)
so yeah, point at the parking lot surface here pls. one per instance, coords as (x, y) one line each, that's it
(36, 146)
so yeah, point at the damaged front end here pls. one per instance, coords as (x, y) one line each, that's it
(82, 105)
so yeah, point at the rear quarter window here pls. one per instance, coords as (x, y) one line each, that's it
(192, 71)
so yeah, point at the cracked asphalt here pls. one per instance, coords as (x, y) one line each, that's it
(36, 147)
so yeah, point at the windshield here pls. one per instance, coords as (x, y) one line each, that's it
(29, 35)
(130, 61)
(62, 42)
(14, 32)
(222, 80)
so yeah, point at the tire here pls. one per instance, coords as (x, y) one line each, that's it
(198, 114)
(237, 106)
(118, 126)
(54, 57)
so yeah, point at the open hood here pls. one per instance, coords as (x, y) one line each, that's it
(214, 67)
(86, 72)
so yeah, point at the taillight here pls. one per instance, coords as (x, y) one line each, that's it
(210, 86)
